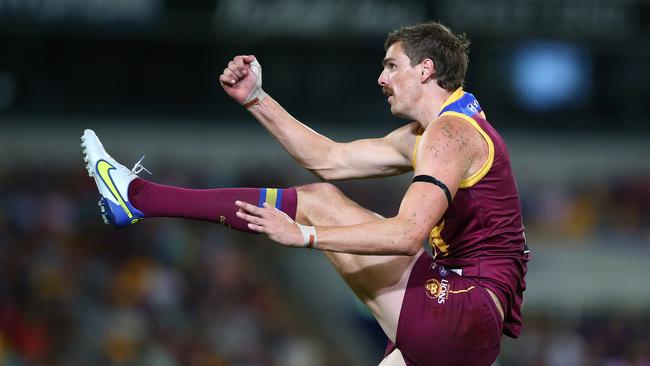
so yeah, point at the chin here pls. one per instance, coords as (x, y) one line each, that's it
(397, 113)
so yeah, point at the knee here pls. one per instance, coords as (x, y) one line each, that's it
(316, 199)
(318, 191)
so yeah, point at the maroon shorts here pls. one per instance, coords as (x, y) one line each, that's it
(446, 319)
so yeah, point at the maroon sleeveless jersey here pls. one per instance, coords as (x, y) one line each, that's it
(481, 234)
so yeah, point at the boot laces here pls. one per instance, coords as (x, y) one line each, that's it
(138, 167)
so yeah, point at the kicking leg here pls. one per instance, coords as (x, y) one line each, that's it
(127, 199)
(378, 281)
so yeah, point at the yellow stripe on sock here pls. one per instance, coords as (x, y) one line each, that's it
(271, 196)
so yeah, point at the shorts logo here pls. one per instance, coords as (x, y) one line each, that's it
(438, 290)
(443, 271)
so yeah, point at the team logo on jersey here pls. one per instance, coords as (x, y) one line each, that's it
(437, 290)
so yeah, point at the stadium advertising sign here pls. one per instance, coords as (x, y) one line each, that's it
(80, 11)
(315, 18)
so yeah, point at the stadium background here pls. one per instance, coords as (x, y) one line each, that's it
(566, 82)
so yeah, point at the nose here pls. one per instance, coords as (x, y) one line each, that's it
(382, 80)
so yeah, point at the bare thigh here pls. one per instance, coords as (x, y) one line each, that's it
(378, 281)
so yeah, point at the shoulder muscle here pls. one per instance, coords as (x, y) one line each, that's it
(448, 149)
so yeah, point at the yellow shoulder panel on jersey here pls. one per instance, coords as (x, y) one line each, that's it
(476, 177)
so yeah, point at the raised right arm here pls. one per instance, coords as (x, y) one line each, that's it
(330, 160)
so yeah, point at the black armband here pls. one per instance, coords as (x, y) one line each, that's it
(432, 180)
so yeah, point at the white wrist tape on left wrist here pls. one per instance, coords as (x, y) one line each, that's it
(310, 239)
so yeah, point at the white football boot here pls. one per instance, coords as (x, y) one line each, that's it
(112, 179)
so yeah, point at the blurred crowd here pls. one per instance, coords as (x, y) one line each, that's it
(613, 209)
(165, 292)
(175, 292)
(555, 339)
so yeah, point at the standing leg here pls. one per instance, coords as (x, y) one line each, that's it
(378, 281)
(395, 358)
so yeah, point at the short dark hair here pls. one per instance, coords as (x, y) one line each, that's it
(432, 40)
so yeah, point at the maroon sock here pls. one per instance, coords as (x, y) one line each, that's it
(216, 205)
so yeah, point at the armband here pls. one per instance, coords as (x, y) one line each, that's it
(432, 180)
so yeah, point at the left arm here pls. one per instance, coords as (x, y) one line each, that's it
(446, 152)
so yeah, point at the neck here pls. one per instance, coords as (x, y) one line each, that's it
(430, 105)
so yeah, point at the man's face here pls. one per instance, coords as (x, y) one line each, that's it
(399, 81)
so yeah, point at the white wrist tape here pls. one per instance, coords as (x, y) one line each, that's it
(257, 94)
(309, 237)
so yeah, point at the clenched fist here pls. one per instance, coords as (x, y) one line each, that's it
(242, 80)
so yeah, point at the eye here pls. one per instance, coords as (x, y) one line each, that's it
(392, 66)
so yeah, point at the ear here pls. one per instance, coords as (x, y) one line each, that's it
(427, 70)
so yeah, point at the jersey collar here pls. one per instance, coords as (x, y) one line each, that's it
(452, 98)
